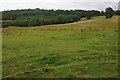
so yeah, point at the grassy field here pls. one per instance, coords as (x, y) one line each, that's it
(83, 49)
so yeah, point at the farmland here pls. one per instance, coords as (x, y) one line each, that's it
(83, 49)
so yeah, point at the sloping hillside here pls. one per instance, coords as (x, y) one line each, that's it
(83, 49)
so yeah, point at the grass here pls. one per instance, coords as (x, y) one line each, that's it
(83, 49)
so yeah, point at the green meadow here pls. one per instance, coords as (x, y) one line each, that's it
(83, 49)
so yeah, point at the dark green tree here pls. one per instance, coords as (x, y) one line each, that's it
(88, 16)
(102, 13)
(117, 12)
(109, 12)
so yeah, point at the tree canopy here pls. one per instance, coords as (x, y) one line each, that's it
(109, 12)
(38, 17)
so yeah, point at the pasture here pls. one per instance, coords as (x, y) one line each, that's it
(83, 49)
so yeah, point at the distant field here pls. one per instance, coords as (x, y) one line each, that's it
(5, 20)
(83, 49)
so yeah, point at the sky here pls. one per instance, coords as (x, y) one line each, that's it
(58, 4)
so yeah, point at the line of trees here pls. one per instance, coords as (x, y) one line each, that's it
(38, 20)
(38, 17)
(14, 14)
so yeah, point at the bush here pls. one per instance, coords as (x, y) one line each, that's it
(88, 17)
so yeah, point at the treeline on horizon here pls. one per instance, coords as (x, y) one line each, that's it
(39, 17)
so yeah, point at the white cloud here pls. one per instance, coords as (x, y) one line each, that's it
(57, 4)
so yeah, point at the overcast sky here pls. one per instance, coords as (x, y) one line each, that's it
(58, 4)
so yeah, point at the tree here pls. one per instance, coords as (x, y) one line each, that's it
(102, 13)
(88, 16)
(117, 12)
(109, 12)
